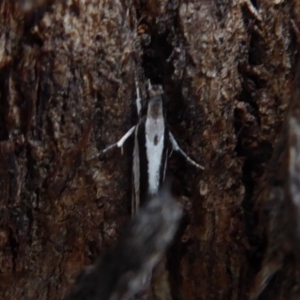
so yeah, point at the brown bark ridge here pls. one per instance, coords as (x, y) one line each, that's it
(66, 91)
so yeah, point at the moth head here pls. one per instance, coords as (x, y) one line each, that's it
(155, 90)
(155, 102)
(155, 108)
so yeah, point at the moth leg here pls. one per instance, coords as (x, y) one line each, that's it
(119, 144)
(176, 147)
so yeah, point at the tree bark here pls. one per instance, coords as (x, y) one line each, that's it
(67, 90)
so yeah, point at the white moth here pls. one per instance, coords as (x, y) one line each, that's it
(150, 152)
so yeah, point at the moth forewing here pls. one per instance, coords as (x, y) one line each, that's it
(155, 144)
(135, 200)
(149, 153)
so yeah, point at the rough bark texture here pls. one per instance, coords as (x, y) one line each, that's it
(67, 90)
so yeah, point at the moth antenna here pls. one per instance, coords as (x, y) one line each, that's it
(149, 84)
(138, 100)
(252, 9)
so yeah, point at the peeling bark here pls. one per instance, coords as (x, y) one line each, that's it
(67, 90)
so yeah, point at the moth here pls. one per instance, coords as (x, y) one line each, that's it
(150, 151)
